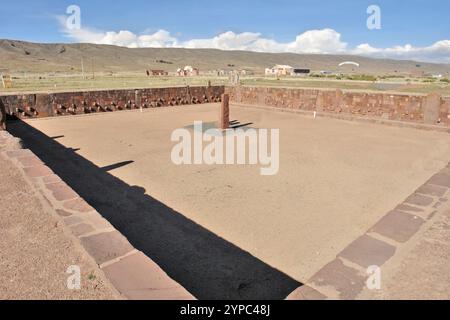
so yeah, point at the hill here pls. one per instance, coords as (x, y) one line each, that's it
(20, 56)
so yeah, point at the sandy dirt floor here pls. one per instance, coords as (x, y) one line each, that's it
(35, 252)
(336, 179)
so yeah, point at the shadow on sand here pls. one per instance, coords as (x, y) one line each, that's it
(206, 265)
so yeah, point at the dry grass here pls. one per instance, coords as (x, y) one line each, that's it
(47, 82)
(53, 83)
(388, 86)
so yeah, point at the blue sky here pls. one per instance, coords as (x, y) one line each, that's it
(419, 23)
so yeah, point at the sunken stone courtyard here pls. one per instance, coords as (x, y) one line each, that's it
(358, 180)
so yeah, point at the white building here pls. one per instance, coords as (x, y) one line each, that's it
(188, 71)
(280, 70)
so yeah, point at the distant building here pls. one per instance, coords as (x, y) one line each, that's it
(301, 72)
(279, 70)
(244, 72)
(221, 73)
(159, 73)
(188, 71)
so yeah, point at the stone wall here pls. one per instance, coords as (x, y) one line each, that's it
(2, 116)
(70, 103)
(431, 109)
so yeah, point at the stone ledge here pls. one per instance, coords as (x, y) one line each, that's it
(339, 280)
(106, 246)
(139, 278)
(306, 293)
(349, 117)
(367, 251)
(133, 274)
(31, 105)
(399, 226)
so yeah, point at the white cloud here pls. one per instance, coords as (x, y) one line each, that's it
(318, 41)
(312, 41)
(437, 52)
(122, 38)
(227, 41)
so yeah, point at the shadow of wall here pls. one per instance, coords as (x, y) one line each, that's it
(206, 265)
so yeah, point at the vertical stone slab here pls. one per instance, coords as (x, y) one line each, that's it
(432, 105)
(320, 101)
(364, 104)
(238, 93)
(137, 98)
(224, 118)
(188, 95)
(261, 96)
(338, 100)
(43, 105)
(2, 116)
(445, 111)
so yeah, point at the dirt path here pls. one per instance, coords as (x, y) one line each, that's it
(35, 252)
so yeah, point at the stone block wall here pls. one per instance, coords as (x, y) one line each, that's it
(71, 103)
(445, 109)
(432, 109)
(2, 116)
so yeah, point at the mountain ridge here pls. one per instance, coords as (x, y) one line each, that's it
(23, 56)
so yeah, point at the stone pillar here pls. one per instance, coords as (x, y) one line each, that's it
(2, 116)
(261, 94)
(431, 107)
(137, 98)
(320, 101)
(224, 117)
(337, 103)
(43, 105)
(188, 95)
